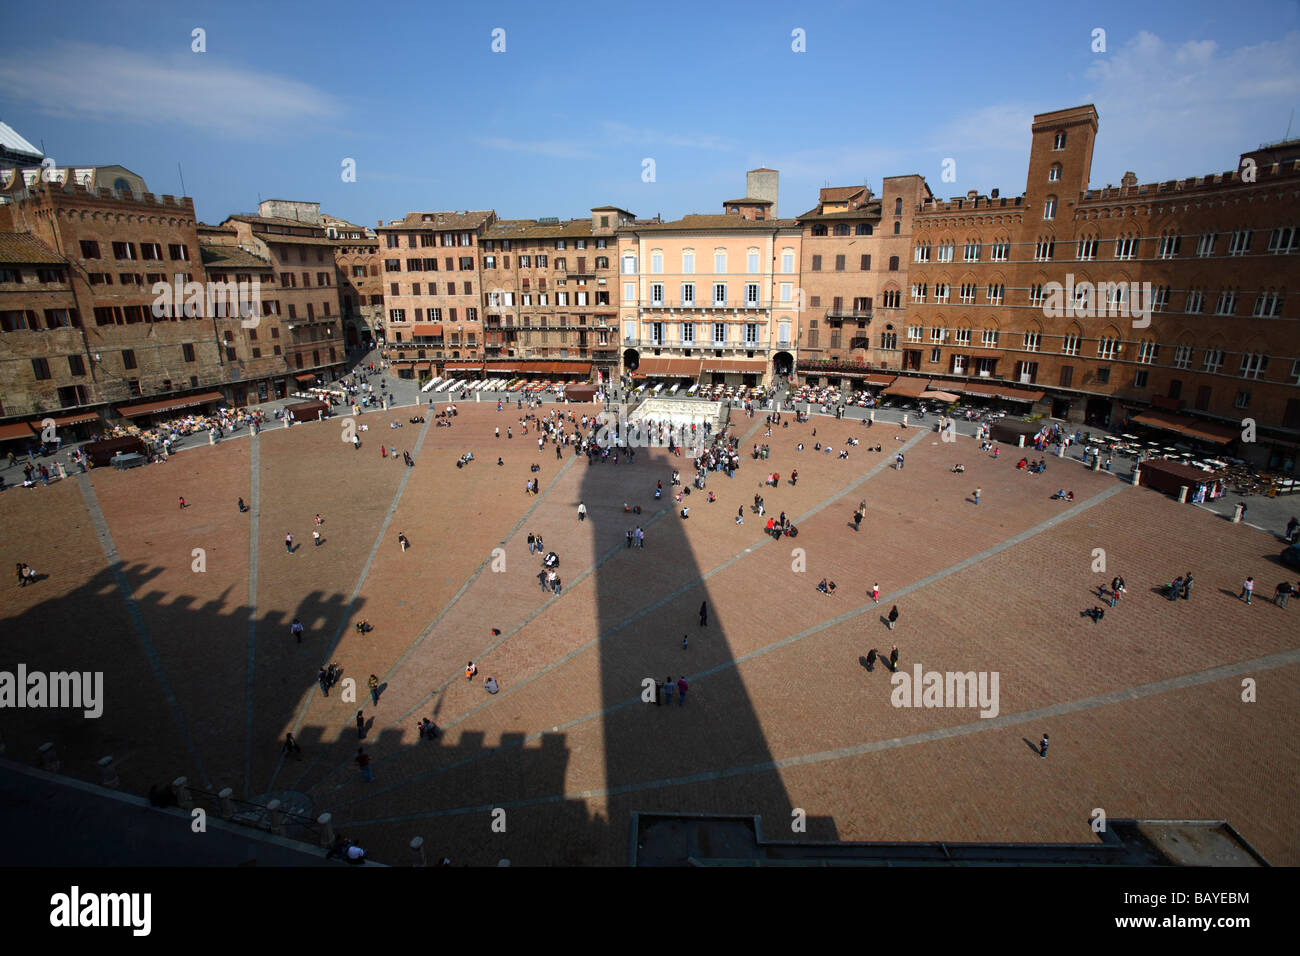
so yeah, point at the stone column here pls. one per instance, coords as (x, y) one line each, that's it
(1236, 513)
(181, 786)
(108, 773)
(1182, 494)
(49, 758)
(212, 437)
(1137, 473)
(326, 822)
(1060, 450)
(1022, 441)
(1096, 462)
(417, 851)
(227, 803)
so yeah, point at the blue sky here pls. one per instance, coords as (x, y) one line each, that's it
(585, 92)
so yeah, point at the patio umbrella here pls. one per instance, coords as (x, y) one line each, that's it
(940, 396)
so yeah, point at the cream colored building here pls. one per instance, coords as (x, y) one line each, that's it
(710, 298)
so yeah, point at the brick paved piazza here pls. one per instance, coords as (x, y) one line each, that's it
(203, 678)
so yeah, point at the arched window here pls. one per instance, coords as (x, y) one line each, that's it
(1054, 173)
(841, 229)
(864, 229)
(898, 206)
(1058, 142)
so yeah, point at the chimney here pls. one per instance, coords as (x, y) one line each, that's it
(994, 194)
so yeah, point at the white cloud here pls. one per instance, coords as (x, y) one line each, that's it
(623, 133)
(558, 149)
(1162, 103)
(112, 84)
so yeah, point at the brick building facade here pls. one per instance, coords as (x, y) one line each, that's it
(1047, 292)
(853, 274)
(433, 290)
(116, 241)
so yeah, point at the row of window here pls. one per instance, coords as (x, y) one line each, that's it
(14, 275)
(1281, 241)
(864, 263)
(425, 240)
(719, 335)
(430, 265)
(131, 251)
(419, 288)
(539, 262)
(752, 262)
(842, 229)
(506, 300)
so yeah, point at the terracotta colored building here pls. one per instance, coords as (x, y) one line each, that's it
(854, 276)
(292, 238)
(357, 265)
(108, 242)
(551, 296)
(1159, 303)
(433, 291)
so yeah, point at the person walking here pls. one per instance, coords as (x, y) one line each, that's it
(323, 678)
(532, 539)
(242, 507)
(373, 683)
(640, 537)
(1187, 586)
(1247, 589)
(182, 501)
(470, 670)
(740, 515)
(288, 543)
(704, 614)
(631, 537)
(1175, 589)
(361, 725)
(893, 616)
(290, 747)
(1282, 592)
(403, 541)
(363, 761)
(977, 496)
(1291, 527)
(296, 629)
(685, 642)
(1042, 747)
(871, 660)
(582, 511)
(682, 687)
(669, 687)
(1116, 589)
(315, 538)
(857, 521)
(893, 659)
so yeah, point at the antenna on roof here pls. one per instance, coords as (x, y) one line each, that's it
(179, 170)
(1284, 138)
